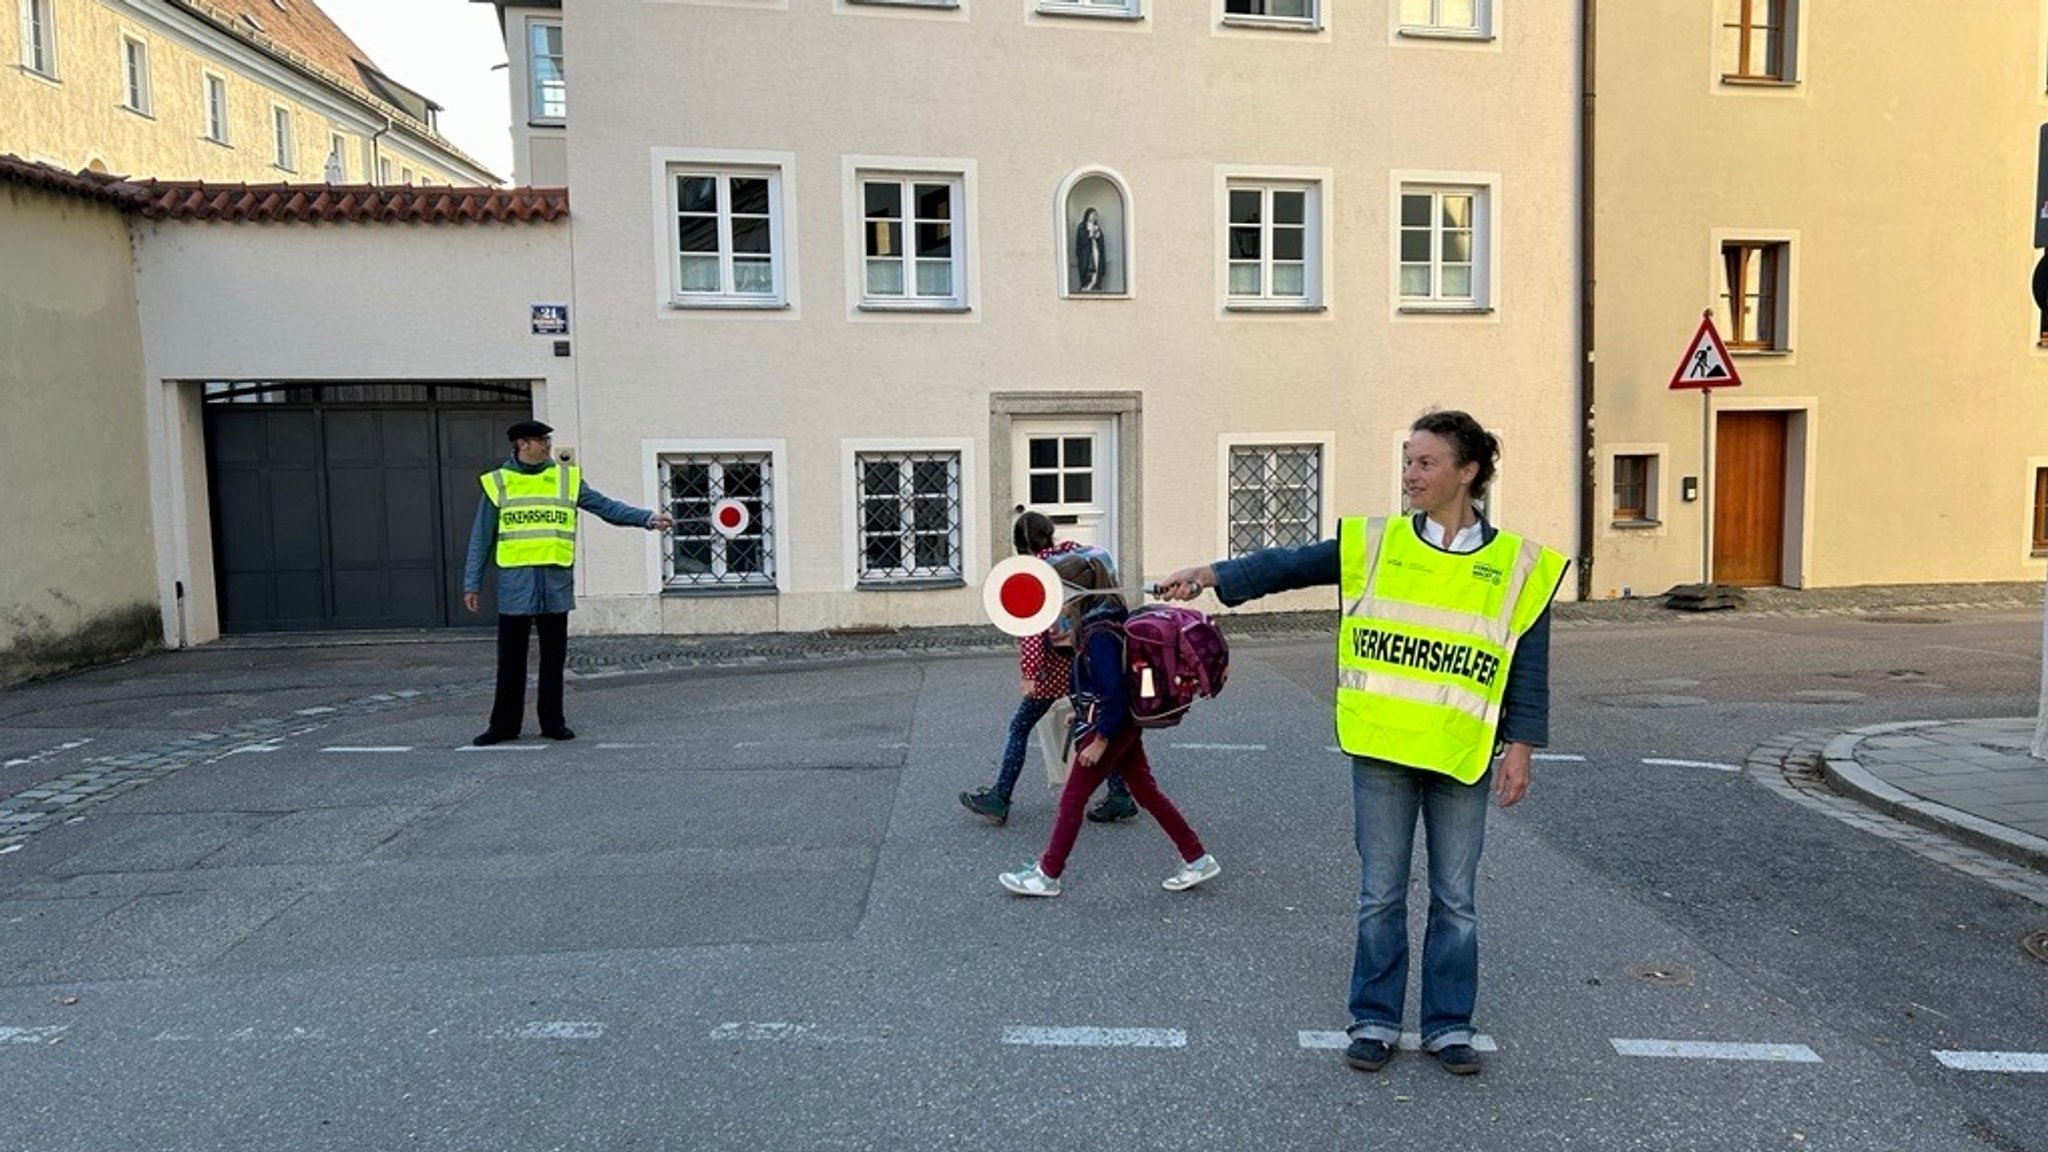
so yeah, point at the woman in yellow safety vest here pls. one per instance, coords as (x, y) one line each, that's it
(1443, 693)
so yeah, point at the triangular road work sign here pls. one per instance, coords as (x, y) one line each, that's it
(1706, 364)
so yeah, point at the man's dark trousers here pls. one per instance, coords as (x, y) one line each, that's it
(508, 708)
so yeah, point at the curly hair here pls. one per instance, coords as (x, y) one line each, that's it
(1471, 443)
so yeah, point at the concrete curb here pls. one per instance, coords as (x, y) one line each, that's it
(1839, 765)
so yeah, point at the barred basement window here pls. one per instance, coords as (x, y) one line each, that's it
(697, 556)
(1275, 496)
(909, 516)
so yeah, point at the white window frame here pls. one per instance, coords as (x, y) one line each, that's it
(337, 150)
(850, 453)
(1325, 444)
(137, 95)
(1316, 238)
(219, 120)
(1318, 13)
(1433, 26)
(948, 6)
(39, 37)
(777, 169)
(655, 453)
(383, 171)
(959, 175)
(1484, 188)
(1098, 9)
(536, 103)
(1787, 334)
(284, 138)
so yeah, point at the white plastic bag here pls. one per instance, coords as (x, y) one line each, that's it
(1052, 741)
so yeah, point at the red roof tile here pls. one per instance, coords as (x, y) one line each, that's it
(298, 203)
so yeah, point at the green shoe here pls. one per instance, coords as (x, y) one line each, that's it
(983, 802)
(1113, 808)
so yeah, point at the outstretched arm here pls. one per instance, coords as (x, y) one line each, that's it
(618, 511)
(1257, 574)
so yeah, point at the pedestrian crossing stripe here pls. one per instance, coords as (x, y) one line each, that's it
(1706, 364)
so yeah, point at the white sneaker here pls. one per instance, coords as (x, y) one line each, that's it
(1031, 881)
(1192, 873)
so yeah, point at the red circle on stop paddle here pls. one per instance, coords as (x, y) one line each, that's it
(729, 516)
(1022, 596)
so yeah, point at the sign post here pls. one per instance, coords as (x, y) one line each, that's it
(1706, 366)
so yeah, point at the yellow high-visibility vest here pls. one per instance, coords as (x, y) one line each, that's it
(1427, 638)
(536, 515)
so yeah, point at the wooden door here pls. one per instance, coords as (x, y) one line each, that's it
(1749, 498)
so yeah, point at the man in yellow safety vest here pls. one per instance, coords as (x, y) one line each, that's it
(526, 524)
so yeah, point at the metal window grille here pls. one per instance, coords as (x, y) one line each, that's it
(909, 516)
(1276, 496)
(697, 556)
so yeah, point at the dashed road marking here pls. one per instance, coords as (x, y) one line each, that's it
(501, 748)
(556, 1030)
(46, 753)
(368, 748)
(1558, 757)
(1410, 1041)
(1717, 1050)
(1657, 763)
(1994, 1061)
(33, 1035)
(1220, 747)
(1095, 1037)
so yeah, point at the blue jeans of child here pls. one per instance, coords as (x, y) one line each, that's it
(1385, 800)
(1029, 712)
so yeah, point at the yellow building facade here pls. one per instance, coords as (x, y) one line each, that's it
(241, 91)
(1852, 198)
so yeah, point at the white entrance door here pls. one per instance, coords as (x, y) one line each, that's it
(1066, 468)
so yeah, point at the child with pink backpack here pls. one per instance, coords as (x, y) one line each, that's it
(1108, 738)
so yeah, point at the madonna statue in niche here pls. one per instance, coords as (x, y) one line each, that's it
(1091, 255)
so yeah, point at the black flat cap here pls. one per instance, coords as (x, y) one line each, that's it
(528, 430)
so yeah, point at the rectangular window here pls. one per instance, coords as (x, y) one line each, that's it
(1273, 243)
(911, 242)
(337, 158)
(1305, 12)
(1635, 487)
(728, 235)
(2040, 512)
(1752, 305)
(909, 516)
(549, 81)
(1443, 234)
(1275, 496)
(699, 555)
(1466, 17)
(405, 176)
(281, 134)
(1757, 40)
(39, 37)
(383, 170)
(135, 75)
(217, 108)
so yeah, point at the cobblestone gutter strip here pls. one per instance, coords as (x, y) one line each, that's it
(1793, 766)
(65, 798)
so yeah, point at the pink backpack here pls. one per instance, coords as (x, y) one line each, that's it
(1175, 656)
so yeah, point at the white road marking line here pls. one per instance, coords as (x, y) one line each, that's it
(556, 1030)
(771, 1030)
(501, 748)
(1715, 1050)
(1994, 1061)
(1656, 763)
(1095, 1037)
(1561, 757)
(614, 747)
(42, 1035)
(10, 848)
(1221, 747)
(255, 748)
(368, 748)
(1410, 1041)
(322, 710)
(46, 753)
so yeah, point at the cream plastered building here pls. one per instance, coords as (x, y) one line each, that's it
(1853, 197)
(1179, 274)
(249, 91)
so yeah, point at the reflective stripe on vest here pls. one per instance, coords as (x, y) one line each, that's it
(536, 515)
(1426, 641)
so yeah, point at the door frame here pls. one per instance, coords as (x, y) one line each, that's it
(1802, 435)
(1124, 410)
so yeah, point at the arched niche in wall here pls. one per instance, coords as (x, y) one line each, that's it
(1095, 230)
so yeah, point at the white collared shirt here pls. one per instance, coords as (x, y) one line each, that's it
(1468, 539)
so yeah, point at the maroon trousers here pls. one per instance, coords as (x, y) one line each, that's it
(1125, 755)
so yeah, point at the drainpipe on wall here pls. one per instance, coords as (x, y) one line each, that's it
(377, 155)
(1588, 458)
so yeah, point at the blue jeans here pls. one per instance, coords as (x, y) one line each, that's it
(1385, 799)
(1029, 712)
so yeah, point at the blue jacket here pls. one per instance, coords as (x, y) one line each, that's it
(1102, 695)
(1525, 703)
(543, 590)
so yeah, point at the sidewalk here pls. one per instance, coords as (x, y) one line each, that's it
(1971, 779)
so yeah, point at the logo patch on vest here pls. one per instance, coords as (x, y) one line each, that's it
(1491, 573)
(1463, 660)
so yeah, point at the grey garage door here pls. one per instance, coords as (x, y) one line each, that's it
(340, 506)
